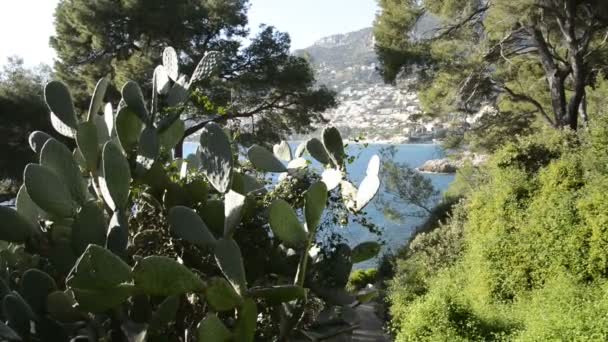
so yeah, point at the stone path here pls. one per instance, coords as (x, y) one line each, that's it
(370, 326)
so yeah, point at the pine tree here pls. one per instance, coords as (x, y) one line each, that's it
(125, 39)
(524, 56)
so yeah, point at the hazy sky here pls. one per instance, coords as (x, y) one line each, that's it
(26, 25)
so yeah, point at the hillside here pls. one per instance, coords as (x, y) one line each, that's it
(368, 107)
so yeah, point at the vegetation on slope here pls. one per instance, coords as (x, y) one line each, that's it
(523, 257)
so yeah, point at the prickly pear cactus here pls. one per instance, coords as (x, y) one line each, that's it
(77, 264)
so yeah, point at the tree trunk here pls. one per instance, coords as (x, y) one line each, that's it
(576, 62)
(555, 77)
(178, 152)
(558, 99)
(583, 112)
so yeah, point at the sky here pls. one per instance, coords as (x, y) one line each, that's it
(305, 20)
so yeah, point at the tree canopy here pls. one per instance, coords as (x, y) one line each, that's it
(257, 79)
(22, 110)
(523, 56)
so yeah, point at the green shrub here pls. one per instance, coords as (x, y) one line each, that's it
(359, 279)
(526, 259)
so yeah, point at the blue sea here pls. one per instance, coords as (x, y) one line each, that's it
(395, 232)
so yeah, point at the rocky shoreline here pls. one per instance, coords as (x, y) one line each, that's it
(448, 165)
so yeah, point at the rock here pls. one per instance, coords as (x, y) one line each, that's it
(440, 166)
(446, 165)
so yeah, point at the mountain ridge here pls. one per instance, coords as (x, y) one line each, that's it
(368, 108)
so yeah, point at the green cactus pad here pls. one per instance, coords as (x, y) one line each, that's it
(8, 334)
(117, 238)
(365, 251)
(186, 224)
(349, 194)
(221, 296)
(116, 176)
(97, 99)
(205, 67)
(216, 157)
(161, 80)
(162, 276)
(37, 140)
(197, 190)
(148, 148)
(62, 128)
(134, 98)
(170, 137)
(100, 280)
(58, 99)
(233, 206)
(98, 268)
(86, 138)
(101, 126)
(62, 256)
(373, 166)
(331, 178)
(366, 192)
(18, 313)
(14, 227)
(316, 149)
(285, 224)
(48, 191)
(35, 288)
(298, 163)
(211, 329)
(165, 314)
(245, 184)
(264, 160)
(128, 128)
(278, 294)
(26, 207)
(315, 201)
(170, 63)
(61, 307)
(90, 227)
(175, 195)
(229, 259)
(178, 93)
(108, 117)
(282, 151)
(332, 140)
(300, 150)
(79, 159)
(244, 330)
(213, 215)
(56, 156)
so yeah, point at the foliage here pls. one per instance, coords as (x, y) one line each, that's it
(23, 111)
(359, 279)
(261, 81)
(117, 240)
(522, 257)
(406, 192)
(530, 59)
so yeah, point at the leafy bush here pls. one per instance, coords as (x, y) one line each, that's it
(116, 240)
(359, 279)
(523, 257)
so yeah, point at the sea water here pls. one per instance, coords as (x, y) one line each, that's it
(395, 233)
